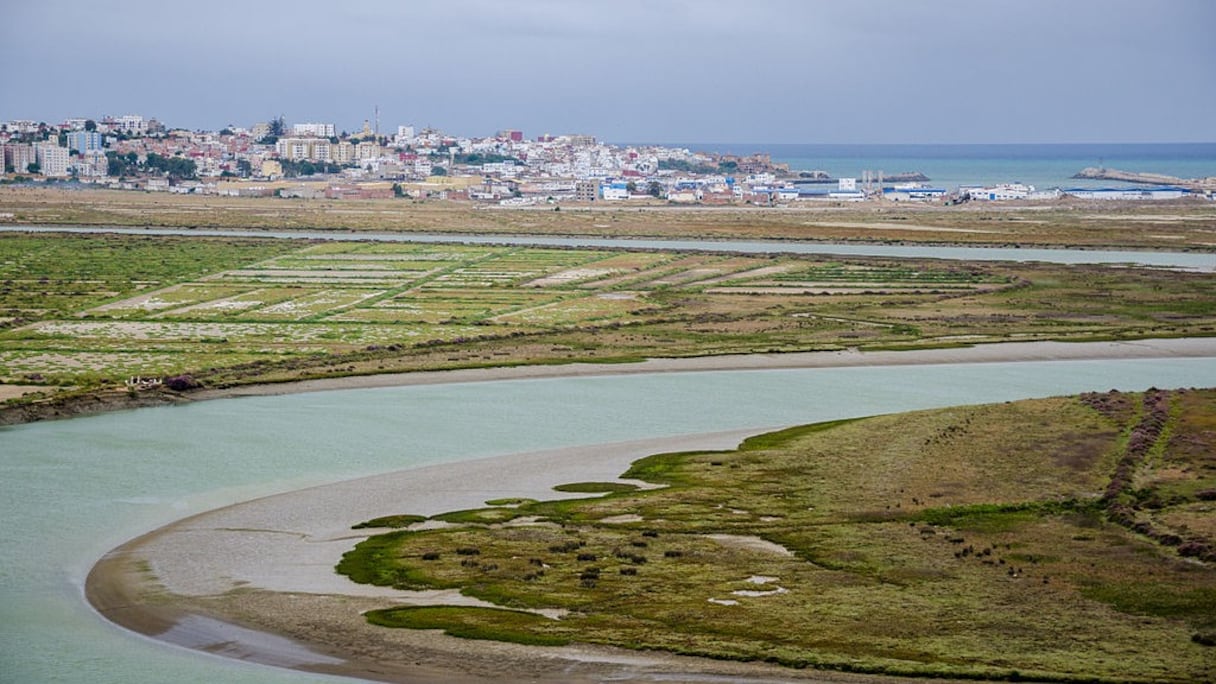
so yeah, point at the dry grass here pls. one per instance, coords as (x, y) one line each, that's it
(1172, 225)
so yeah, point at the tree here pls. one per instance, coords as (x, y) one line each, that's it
(90, 125)
(398, 191)
(655, 189)
(631, 187)
(277, 128)
(244, 168)
(225, 131)
(173, 167)
(34, 167)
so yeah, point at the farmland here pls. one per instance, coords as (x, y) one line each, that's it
(83, 313)
(1050, 540)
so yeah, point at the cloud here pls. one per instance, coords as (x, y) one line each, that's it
(764, 70)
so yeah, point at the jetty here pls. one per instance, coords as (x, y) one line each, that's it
(1194, 184)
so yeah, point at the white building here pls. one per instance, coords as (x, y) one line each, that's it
(913, 192)
(1158, 193)
(132, 124)
(316, 130)
(52, 160)
(997, 193)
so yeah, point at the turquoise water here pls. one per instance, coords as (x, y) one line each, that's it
(72, 490)
(1044, 166)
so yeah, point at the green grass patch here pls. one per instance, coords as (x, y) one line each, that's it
(509, 501)
(472, 623)
(595, 487)
(391, 521)
(479, 516)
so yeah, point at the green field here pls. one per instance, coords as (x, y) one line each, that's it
(1066, 539)
(83, 313)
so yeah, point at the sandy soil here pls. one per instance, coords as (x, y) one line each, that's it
(255, 581)
(15, 391)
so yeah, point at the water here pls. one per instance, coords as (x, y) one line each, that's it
(1044, 166)
(1197, 261)
(72, 490)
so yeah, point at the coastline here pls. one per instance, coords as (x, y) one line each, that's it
(255, 581)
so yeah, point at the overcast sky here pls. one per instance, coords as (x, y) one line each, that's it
(765, 71)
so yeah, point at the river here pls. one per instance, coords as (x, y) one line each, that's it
(72, 490)
(1196, 261)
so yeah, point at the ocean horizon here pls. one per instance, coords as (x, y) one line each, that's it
(1045, 165)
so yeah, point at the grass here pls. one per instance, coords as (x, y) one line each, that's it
(84, 313)
(393, 521)
(970, 542)
(595, 487)
(469, 623)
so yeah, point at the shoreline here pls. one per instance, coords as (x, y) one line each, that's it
(995, 352)
(255, 580)
(1001, 352)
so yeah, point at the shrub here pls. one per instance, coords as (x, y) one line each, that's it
(181, 383)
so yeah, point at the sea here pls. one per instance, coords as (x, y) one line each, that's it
(1044, 166)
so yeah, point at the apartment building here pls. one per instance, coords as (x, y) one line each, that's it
(316, 130)
(52, 159)
(84, 141)
(19, 157)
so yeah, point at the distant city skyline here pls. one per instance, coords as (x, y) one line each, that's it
(768, 71)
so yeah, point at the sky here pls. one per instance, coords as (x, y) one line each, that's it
(721, 71)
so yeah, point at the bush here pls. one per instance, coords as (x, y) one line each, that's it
(181, 383)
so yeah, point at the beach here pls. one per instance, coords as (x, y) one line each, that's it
(255, 581)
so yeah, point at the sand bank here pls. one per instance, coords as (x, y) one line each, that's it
(255, 581)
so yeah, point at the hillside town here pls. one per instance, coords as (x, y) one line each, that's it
(313, 160)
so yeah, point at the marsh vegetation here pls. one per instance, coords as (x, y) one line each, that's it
(1064, 539)
(81, 313)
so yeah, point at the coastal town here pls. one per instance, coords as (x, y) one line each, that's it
(314, 160)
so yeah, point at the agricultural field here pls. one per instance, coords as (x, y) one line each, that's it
(1064, 539)
(81, 313)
